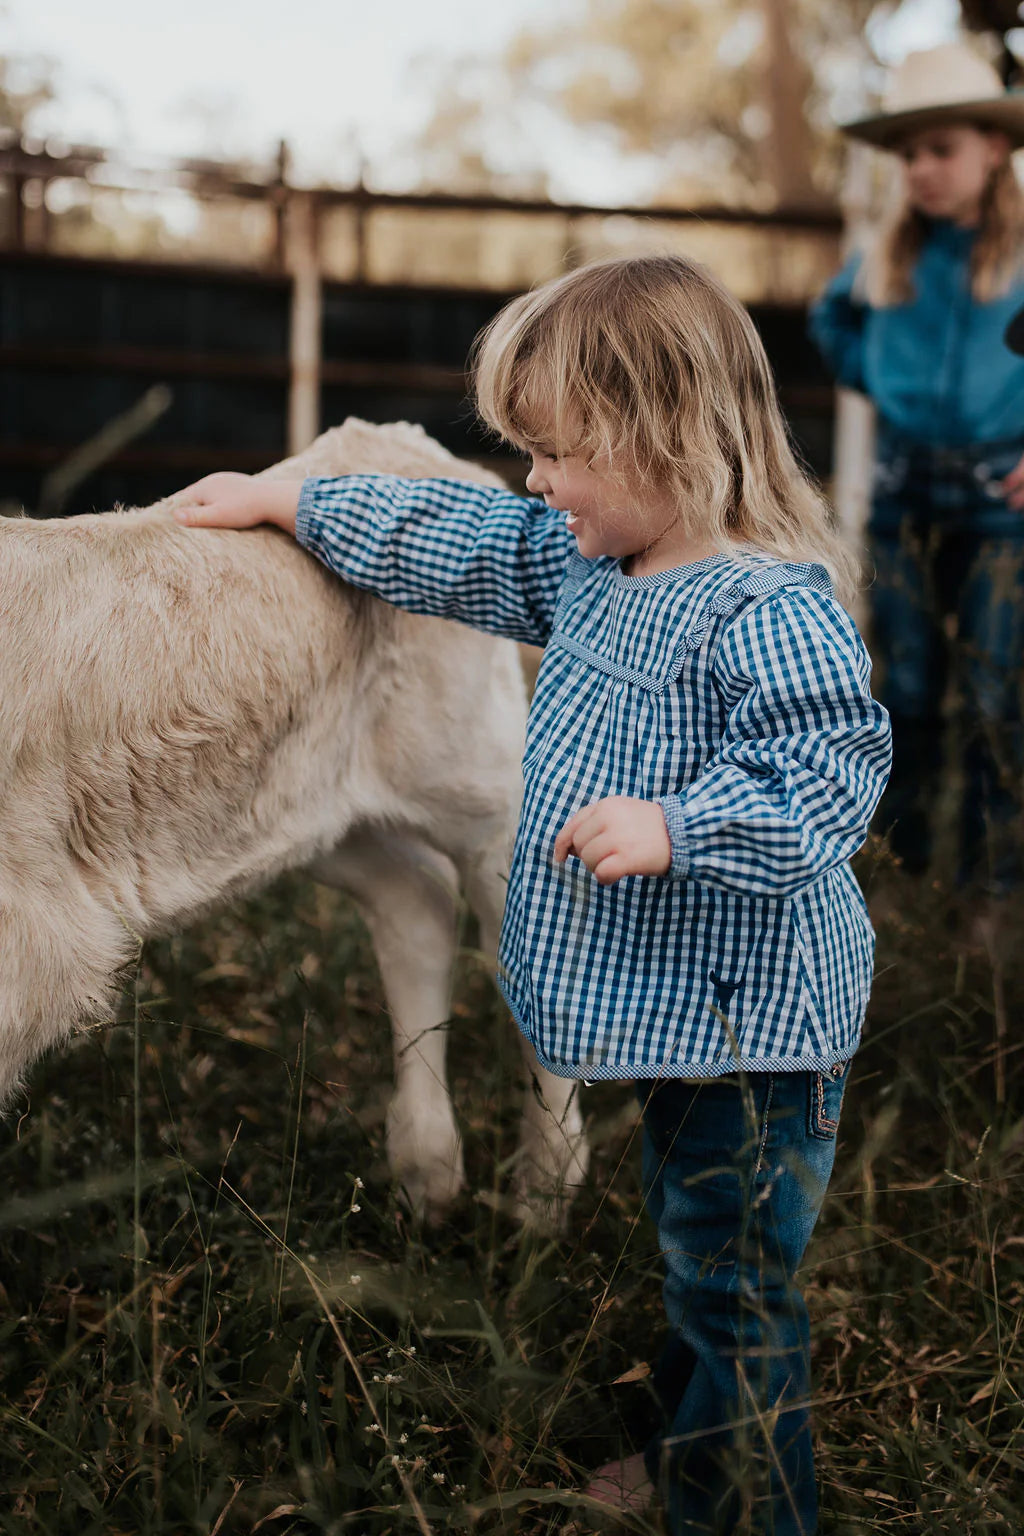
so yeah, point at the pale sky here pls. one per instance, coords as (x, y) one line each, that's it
(222, 76)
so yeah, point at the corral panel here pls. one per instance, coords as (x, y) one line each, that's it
(81, 340)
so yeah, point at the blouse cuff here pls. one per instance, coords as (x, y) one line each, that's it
(672, 810)
(305, 512)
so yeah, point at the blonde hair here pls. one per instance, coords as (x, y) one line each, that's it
(995, 259)
(650, 365)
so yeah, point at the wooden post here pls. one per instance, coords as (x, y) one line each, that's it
(786, 150)
(17, 186)
(278, 193)
(854, 441)
(304, 351)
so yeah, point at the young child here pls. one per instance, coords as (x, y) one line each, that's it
(916, 323)
(703, 757)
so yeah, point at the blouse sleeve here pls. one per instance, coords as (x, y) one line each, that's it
(803, 759)
(449, 548)
(837, 327)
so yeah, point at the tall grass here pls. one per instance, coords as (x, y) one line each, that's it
(217, 1318)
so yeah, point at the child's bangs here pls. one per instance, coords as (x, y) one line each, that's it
(521, 384)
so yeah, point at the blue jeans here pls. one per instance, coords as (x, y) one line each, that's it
(735, 1172)
(948, 607)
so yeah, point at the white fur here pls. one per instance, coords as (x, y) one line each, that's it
(185, 713)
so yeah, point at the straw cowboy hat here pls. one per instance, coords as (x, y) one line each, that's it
(941, 85)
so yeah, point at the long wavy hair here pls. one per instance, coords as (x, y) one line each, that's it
(650, 366)
(996, 259)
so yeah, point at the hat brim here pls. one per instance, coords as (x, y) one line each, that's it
(886, 129)
(1014, 333)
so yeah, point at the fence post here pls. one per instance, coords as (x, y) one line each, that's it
(855, 415)
(304, 341)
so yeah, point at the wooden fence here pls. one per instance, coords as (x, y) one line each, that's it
(286, 308)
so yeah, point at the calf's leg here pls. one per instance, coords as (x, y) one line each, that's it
(552, 1158)
(405, 892)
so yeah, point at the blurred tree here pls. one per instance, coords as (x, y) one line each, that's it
(735, 100)
(25, 85)
(732, 97)
(71, 215)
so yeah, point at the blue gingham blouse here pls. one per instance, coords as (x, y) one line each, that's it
(735, 693)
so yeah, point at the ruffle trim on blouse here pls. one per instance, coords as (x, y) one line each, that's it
(676, 609)
(756, 583)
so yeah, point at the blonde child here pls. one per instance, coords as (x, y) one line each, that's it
(703, 756)
(916, 322)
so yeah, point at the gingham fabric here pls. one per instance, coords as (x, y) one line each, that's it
(734, 692)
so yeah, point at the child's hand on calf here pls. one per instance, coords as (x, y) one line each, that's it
(229, 500)
(617, 837)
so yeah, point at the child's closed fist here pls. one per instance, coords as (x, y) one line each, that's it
(617, 837)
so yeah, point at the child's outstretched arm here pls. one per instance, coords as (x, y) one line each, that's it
(450, 548)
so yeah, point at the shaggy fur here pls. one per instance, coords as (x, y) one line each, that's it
(185, 713)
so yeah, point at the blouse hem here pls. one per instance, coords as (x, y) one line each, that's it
(677, 1067)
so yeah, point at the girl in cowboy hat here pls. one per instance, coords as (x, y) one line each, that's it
(916, 322)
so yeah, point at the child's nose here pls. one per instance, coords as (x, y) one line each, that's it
(536, 481)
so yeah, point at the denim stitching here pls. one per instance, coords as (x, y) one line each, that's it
(759, 1165)
(824, 1123)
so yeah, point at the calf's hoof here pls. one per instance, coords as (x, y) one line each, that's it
(425, 1157)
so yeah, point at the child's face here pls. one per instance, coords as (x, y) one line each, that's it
(598, 510)
(947, 168)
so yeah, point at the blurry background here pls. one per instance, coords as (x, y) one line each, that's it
(178, 294)
(283, 216)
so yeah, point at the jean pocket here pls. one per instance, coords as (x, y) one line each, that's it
(826, 1100)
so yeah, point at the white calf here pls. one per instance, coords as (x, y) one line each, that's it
(184, 714)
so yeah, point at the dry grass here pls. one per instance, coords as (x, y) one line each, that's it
(217, 1319)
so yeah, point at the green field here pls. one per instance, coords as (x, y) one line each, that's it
(217, 1318)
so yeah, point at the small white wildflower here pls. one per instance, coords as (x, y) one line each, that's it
(423, 1418)
(355, 1279)
(391, 1377)
(403, 1439)
(391, 1354)
(375, 1429)
(355, 1209)
(410, 1351)
(375, 1376)
(458, 1488)
(438, 1477)
(358, 1184)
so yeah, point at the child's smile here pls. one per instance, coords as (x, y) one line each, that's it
(601, 516)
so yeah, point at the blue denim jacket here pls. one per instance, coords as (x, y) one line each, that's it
(936, 368)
